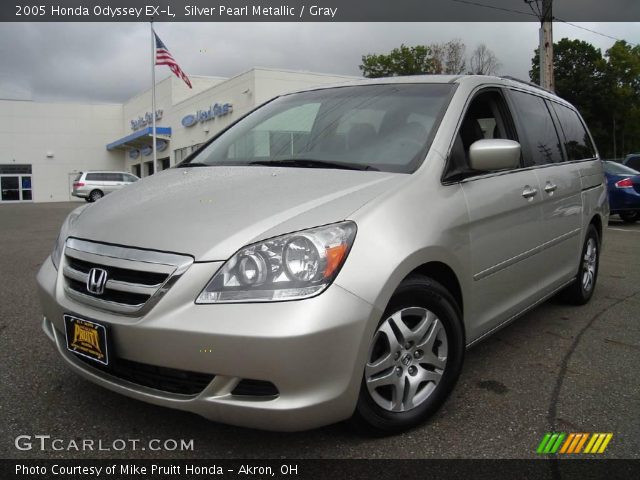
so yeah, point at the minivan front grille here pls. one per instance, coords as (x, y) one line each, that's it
(135, 279)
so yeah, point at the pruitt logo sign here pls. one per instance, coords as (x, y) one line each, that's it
(563, 443)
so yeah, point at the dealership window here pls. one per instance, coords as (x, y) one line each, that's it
(148, 168)
(181, 153)
(136, 170)
(15, 183)
(13, 168)
(164, 163)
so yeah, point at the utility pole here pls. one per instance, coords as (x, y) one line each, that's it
(544, 11)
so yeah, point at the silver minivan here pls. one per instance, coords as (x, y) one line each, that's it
(333, 253)
(92, 186)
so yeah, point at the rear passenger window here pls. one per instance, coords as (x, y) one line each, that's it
(94, 177)
(539, 131)
(576, 139)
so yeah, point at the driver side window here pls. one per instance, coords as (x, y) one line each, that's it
(487, 117)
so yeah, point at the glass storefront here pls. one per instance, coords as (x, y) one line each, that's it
(15, 183)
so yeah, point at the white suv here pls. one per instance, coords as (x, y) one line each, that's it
(93, 186)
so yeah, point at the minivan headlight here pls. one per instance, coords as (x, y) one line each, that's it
(290, 267)
(58, 246)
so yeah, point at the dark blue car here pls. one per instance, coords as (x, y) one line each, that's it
(624, 190)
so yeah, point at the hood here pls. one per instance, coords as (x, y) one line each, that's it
(211, 212)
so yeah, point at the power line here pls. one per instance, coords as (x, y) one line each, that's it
(493, 7)
(593, 31)
(534, 14)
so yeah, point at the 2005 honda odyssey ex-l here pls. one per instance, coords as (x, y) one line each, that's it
(333, 253)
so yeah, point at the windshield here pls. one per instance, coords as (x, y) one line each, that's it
(613, 168)
(374, 127)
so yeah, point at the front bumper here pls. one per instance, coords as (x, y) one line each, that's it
(312, 350)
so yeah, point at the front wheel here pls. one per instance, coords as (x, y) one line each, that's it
(414, 359)
(630, 217)
(581, 290)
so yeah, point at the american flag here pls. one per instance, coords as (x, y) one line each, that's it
(163, 57)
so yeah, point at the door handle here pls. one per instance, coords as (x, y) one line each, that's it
(550, 187)
(529, 192)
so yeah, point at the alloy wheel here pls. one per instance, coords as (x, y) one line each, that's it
(407, 359)
(589, 263)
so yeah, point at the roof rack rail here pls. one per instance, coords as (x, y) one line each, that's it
(531, 84)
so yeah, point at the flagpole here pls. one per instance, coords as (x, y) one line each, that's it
(153, 97)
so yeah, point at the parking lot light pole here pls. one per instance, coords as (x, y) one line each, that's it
(153, 97)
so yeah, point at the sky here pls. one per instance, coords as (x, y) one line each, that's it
(110, 62)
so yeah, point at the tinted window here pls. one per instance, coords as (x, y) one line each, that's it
(633, 162)
(576, 139)
(130, 178)
(539, 131)
(614, 168)
(385, 127)
(112, 177)
(95, 177)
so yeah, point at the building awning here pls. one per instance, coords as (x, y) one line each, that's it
(140, 139)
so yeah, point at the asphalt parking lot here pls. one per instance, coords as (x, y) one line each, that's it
(559, 368)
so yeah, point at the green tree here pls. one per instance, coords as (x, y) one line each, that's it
(417, 60)
(623, 75)
(604, 88)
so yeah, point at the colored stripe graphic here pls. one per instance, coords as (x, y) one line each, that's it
(582, 442)
(573, 443)
(566, 445)
(543, 443)
(598, 442)
(556, 446)
(550, 443)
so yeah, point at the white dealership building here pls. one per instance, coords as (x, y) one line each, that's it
(45, 145)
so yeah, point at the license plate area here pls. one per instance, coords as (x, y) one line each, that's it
(87, 338)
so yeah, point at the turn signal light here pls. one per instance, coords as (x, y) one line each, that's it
(626, 183)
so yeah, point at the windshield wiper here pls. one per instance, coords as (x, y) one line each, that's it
(311, 163)
(193, 164)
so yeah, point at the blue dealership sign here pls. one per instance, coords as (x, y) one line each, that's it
(215, 110)
(189, 120)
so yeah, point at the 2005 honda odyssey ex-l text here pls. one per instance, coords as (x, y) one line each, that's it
(333, 253)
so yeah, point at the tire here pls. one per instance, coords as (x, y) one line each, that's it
(409, 376)
(630, 217)
(87, 199)
(581, 290)
(95, 195)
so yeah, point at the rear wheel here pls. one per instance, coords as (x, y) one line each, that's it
(95, 195)
(581, 290)
(414, 359)
(630, 217)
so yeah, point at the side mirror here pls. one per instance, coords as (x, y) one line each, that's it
(494, 154)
